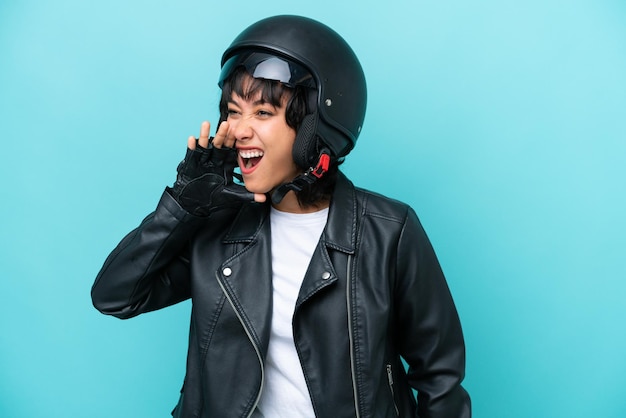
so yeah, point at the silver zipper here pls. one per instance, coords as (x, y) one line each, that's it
(256, 349)
(351, 338)
(390, 380)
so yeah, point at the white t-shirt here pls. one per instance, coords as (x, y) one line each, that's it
(294, 239)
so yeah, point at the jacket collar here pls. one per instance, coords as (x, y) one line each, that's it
(340, 231)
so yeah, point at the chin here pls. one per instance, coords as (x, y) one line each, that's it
(266, 186)
(255, 188)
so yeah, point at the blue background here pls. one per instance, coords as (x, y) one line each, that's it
(501, 122)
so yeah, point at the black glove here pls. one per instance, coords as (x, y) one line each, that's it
(205, 181)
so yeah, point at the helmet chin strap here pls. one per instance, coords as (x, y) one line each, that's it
(302, 180)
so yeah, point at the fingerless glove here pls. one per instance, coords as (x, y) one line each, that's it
(205, 181)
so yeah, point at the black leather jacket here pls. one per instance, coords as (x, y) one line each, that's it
(374, 294)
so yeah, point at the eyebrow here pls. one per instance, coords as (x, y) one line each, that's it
(256, 102)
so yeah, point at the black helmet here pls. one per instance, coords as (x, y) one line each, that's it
(311, 54)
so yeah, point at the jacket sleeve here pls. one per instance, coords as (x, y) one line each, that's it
(149, 268)
(430, 336)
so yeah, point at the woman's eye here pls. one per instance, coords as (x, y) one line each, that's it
(264, 113)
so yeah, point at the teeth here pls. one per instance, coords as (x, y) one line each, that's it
(250, 153)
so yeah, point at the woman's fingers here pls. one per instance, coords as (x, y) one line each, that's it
(221, 137)
(191, 143)
(205, 128)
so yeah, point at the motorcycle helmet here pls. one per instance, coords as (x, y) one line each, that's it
(299, 51)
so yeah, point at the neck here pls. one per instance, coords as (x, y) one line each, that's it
(290, 204)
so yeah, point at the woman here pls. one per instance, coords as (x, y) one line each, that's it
(308, 294)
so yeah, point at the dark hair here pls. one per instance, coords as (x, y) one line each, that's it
(273, 92)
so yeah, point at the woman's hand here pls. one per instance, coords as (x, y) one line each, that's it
(221, 139)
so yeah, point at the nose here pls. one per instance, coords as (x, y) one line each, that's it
(241, 129)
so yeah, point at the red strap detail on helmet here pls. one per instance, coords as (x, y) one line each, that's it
(322, 166)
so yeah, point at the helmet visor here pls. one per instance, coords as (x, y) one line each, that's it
(269, 67)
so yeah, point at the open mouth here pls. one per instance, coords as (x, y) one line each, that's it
(250, 158)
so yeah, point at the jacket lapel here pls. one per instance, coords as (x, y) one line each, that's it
(338, 235)
(246, 277)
